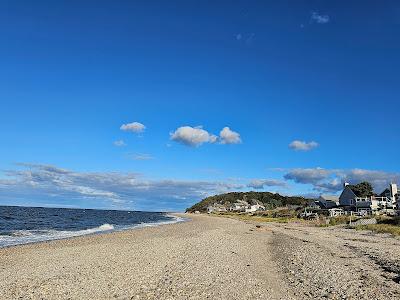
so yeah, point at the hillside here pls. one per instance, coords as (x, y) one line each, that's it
(270, 200)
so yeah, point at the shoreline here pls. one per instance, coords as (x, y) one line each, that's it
(103, 229)
(208, 257)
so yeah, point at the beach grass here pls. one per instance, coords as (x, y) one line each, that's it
(381, 228)
(259, 218)
(385, 224)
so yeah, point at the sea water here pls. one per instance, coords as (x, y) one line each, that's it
(22, 225)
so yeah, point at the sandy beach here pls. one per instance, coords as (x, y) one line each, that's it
(206, 258)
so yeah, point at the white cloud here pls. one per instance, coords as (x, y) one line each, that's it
(302, 145)
(135, 127)
(261, 183)
(192, 136)
(308, 176)
(119, 143)
(105, 189)
(331, 180)
(196, 136)
(228, 136)
(318, 18)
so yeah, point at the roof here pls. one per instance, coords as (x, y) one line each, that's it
(383, 194)
(330, 198)
(348, 188)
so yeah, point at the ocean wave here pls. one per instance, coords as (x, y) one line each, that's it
(18, 237)
(174, 219)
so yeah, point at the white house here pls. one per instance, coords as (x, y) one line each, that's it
(239, 206)
(216, 208)
(254, 208)
(392, 193)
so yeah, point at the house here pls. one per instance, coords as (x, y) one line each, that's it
(392, 191)
(328, 201)
(220, 208)
(216, 208)
(383, 203)
(387, 201)
(239, 206)
(393, 194)
(349, 200)
(254, 208)
(255, 205)
(347, 196)
(313, 205)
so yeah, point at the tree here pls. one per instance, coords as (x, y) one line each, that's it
(363, 189)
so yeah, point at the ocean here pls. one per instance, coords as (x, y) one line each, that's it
(22, 225)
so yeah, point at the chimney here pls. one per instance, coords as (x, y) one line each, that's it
(393, 190)
(345, 184)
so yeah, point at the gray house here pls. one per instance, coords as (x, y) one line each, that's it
(347, 197)
(351, 201)
(328, 201)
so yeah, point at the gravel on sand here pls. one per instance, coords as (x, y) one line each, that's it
(207, 258)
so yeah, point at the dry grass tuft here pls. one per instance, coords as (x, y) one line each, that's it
(381, 228)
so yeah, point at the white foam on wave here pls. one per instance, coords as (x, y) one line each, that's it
(105, 227)
(31, 236)
(174, 219)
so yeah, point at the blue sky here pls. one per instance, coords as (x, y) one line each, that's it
(309, 91)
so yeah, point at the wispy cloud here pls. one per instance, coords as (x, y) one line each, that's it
(119, 143)
(303, 145)
(261, 183)
(318, 18)
(110, 189)
(135, 127)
